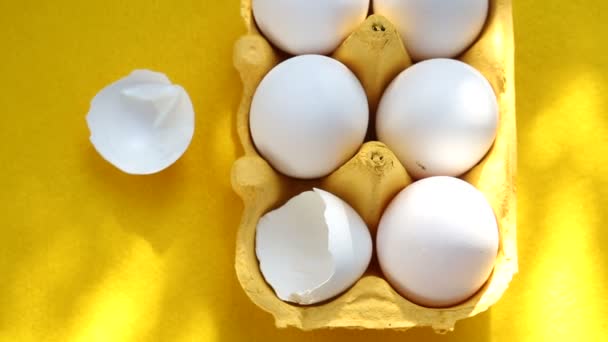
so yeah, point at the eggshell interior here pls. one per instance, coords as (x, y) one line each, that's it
(313, 247)
(141, 123)
(374, 176)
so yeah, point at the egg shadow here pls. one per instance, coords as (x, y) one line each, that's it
(138, 200)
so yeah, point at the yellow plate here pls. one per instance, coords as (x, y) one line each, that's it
(371, 302)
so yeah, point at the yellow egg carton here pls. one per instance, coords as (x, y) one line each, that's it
(375, 53)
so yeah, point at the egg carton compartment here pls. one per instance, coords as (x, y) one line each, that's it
(375, 53)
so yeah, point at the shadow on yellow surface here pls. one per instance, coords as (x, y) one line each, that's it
(561, 77)
(90, 254)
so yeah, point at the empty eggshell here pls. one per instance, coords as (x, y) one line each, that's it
(308, 116)
(312, 248)
(142, 123)
(435, 28)
(308, 26)
(439, 117)
(437, 241)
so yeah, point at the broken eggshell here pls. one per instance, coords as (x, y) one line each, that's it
(312, 248)
(142, 123)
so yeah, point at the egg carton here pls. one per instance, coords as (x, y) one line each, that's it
(375, 53)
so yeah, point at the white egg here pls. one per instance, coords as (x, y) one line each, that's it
(308, 26)
(435, 28)
(308, 116)
(142, 123)
(312, 248)
(439, 117)
(437, 241)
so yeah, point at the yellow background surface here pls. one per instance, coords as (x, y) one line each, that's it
(90, 254)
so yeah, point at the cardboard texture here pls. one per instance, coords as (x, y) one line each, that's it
(376, 55)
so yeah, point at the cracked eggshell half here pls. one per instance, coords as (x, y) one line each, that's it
(312, 248)
(142, 123)
(308, 26)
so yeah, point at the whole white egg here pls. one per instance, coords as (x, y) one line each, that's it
(439, 117)
(435, 28)
(308, 116)
(308, 26)
(437, 241)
